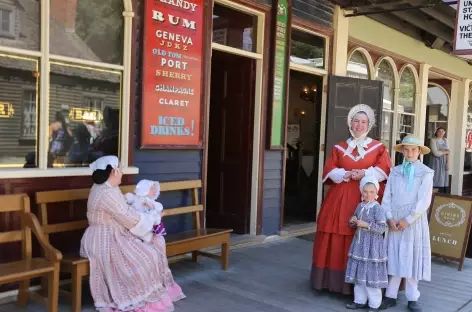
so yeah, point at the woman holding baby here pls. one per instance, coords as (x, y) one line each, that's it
(128, 263)
(348, 163)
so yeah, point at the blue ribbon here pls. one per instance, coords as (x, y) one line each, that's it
(408, 169)
(411, 140)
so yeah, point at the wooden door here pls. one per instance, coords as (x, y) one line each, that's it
(230, 142)
(343, 94)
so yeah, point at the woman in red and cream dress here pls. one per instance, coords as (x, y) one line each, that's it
(348, 163)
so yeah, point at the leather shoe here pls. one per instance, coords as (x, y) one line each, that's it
(388, 303)
(355, 306)
(414, 306)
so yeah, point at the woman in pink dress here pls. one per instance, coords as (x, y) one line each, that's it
(126, 273)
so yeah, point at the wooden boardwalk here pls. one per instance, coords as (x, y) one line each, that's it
(274, 277)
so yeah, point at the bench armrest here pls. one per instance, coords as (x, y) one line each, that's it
(30, 220)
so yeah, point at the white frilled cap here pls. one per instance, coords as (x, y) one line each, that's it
(362, 108)
(144, 186)
(103, 162)
(369, 179)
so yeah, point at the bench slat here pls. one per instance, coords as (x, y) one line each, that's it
(192, 235)
(12, 202)
(65, 227)
(13, 236)
(181, 210)
(49, 197)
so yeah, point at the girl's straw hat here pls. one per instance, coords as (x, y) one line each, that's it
(411, 140)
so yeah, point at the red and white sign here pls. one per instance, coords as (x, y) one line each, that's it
(172, 73)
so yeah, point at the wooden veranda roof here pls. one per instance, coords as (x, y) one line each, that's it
(430, 21)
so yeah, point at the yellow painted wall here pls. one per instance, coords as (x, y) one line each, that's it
(375, 33)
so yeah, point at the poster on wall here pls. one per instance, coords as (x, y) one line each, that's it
(449, 226)
(172, 74)
(463, 31)
(280, 72)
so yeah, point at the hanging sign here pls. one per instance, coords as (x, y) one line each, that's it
(449, 226)
(172, 73)
(280, 72)
(463, 30)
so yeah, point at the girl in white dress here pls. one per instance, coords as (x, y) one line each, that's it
(406, 200)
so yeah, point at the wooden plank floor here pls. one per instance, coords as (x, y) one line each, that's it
(274, 277)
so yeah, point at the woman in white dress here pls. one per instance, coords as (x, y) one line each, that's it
(406, 200)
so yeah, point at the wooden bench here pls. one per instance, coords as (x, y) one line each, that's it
(24, 270)
(176, 244)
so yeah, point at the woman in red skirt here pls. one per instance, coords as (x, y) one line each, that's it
(348, 163)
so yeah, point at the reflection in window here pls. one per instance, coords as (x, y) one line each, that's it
(385, 74)
(87, 29)
(19, 24)
(307, 49)
(358, 67)
(468, 138)
(406, 103)
(234, 28)
(28, 115)
(437, 109)
(18, 86)
(84, 114)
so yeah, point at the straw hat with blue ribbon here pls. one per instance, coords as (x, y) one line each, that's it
(411, 140)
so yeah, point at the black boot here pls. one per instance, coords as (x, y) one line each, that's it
(373, 310)
(414, 306)
(355, 306)
(388, 303)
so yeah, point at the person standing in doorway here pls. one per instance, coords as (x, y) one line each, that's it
(349, 162)
(440, 160)
(406, 201)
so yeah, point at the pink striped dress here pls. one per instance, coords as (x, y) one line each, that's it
(126, 274)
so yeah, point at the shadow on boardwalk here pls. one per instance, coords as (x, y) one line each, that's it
(274, 277)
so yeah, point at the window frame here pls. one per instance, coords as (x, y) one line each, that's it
(45, 57)
(395, 86)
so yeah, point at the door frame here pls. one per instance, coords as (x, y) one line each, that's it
(323, 73)
(259, 95)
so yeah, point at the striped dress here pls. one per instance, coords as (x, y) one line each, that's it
(126, 274)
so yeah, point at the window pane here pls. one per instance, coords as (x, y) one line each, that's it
(385, 74)
(406, 101)
(84, 114)
(437, 110)
(19, 81)
(307, 49)
(406, 125)
(20, 24)
(358, 67)
(234, 28)
(387, 125)
(87, 29)
(468, 138)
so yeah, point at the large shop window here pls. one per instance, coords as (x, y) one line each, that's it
(385, 73)
(83, 93)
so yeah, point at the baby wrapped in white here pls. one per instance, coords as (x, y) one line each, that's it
(144, 201)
